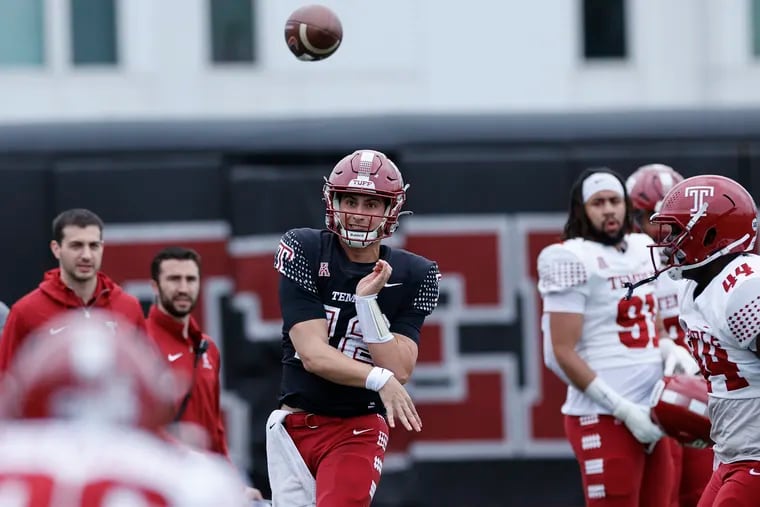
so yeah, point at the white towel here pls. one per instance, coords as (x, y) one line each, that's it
(290, 479)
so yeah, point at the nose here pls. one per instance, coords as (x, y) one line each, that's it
(360, 214)
(608, 208)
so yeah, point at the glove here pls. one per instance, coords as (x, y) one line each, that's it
(676, 359)
(635, 417)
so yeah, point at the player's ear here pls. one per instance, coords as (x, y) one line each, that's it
(55, 248)
(154, 287)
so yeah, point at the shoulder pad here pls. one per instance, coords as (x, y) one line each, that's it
(292, 258)
(559, 269)
(743, 311)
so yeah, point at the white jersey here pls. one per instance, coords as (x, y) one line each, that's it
(618, 339)
(667, 292)
(722, 325)
(64, 464)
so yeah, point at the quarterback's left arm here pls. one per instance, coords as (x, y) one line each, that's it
(394, 345)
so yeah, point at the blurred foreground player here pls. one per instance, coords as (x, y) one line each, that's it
(83, 416)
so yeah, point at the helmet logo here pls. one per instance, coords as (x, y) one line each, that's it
(362, 182)
(699, 194)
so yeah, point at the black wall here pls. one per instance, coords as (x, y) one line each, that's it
(260, 178)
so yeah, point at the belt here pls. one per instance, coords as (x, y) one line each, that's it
(309, 420)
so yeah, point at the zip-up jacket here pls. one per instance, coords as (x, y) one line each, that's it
(51, 298)
(203, 407)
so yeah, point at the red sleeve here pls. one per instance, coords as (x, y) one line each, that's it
(220, 442)
(14, 332)
(139, 318)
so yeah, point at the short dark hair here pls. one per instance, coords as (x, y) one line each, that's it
(179, 253)
(578, 224)
(78, 217)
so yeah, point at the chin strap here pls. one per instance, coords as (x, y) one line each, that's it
(633, 286)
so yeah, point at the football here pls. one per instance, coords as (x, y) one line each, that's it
(313, 33)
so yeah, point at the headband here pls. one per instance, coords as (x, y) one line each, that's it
(597, 182)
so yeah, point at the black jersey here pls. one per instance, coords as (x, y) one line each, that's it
(318, 281)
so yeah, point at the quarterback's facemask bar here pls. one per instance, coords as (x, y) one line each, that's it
(358, 237)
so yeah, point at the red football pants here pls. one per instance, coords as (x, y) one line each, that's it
(693, 468)
(733, 485)
(345, 455)
(616, 469)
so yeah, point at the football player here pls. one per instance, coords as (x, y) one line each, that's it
(647, 186)
(709, 226)
(83, 418)
(604, 346)
(352, 312)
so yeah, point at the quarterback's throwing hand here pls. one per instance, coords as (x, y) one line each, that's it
(399, 406)
(376, 280)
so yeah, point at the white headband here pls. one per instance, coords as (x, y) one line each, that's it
(598, 182)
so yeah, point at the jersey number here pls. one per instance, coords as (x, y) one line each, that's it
(674, 329)
(635, 315)
(37, 490)
(730, 280)
(714, 362)
(351, 345)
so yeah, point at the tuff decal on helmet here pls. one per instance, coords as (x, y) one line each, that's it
(365, 172)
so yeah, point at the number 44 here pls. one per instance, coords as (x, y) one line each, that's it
(730, 280)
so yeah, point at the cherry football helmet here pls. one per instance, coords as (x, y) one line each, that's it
(647, 186)
(679, 407)
(365, 172)
(702, 218)
(98, 368)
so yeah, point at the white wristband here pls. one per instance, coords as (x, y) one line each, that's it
(374, 327)
(600, 392)
(377, 378)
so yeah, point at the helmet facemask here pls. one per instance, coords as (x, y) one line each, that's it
(336, 219)
(680, 236)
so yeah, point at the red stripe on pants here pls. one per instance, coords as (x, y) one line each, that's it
(615, 468)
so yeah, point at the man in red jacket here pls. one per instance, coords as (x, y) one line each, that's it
(175, 274)
(77, 284)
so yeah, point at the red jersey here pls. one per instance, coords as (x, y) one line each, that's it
(51, 298)
(203, 408)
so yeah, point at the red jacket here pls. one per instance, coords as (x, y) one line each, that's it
(204, 406)
(51, 298)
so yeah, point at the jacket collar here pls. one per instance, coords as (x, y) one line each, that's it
(52, 285)
(175, 327)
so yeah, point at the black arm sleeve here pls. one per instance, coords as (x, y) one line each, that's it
(298, 304)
